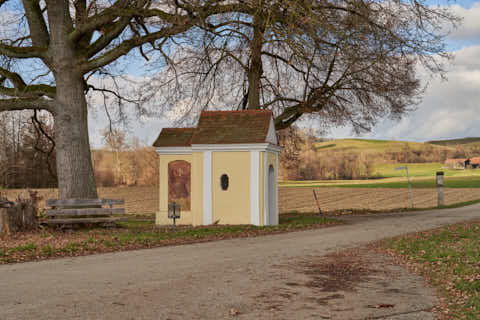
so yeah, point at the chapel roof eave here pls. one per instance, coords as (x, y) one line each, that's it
(220, 147)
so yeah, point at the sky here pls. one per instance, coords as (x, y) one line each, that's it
(450, 108)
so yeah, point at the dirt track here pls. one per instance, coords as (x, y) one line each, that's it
(144, 200)
(273, 277)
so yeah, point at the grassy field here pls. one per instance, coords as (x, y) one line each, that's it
(395, 183)
(373, 146)
(454, 142)
(422, 176)
(450, 259)
(421, 170)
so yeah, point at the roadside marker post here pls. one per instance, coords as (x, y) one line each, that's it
(409, 184)
(440, 185)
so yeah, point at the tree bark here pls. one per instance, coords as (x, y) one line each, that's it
(74, 161)
(74, 165)
(256, 67)
(20, 217)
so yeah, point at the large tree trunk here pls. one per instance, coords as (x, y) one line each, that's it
(256, 68)
(74, 162)
(74, 165)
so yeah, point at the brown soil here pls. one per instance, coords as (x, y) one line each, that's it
(144, 199)
(333, 199)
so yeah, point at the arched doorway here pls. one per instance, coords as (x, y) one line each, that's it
(271, 197)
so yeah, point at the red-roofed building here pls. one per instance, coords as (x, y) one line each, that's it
(473, 163)
(234, 168)
(455, 163)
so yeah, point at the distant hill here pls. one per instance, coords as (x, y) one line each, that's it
(375, 146)
(454, 142)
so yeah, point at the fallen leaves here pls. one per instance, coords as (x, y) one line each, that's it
(54, 243)
(449, 259)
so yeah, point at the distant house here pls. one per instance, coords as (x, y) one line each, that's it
(474, 163)
(456, 163)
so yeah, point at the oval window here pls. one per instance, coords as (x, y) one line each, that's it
(224, 182)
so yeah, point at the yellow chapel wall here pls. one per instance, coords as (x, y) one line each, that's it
(231, 206)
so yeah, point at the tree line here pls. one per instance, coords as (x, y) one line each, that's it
(28, 155)
(301, 159)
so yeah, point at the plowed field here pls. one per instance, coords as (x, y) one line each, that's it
(302, 200)
(144, 200)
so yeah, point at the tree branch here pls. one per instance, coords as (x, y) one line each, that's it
(107, 37)
(27, 104)
(22, 90)
(130, 44)
(103, 18)
(22, 52)
(36, 23)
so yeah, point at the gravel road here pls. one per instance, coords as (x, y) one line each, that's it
(251, 278)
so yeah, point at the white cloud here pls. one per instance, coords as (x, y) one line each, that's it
(450, 109)
(470, 28)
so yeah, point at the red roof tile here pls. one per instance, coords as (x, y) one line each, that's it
(174, 137)
(229, 127)
(220, 127)
(475, 160)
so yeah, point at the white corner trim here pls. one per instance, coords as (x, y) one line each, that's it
(255, 188)
(174, 150)
(265, 189)
(272, 134)
(207, 188)
(237, 147)
(277, 213)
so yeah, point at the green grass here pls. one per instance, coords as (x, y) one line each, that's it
(454, 142)
(421, 170)
(450, 258)
(372, 146)
(24, 248)
(452, 182)
(395, 182)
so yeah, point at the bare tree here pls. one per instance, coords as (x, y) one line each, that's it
(341, 61)
(115, 139)
(27, 157)
(51, 50)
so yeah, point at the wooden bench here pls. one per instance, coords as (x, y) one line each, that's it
(73, 211)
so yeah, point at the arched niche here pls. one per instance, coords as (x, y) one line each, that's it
(179, 183)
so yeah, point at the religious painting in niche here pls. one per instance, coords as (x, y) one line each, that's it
(179, 183)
